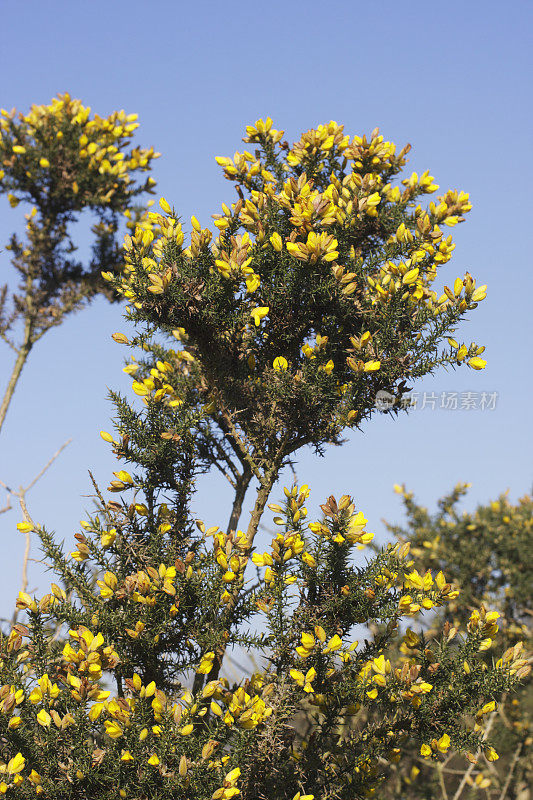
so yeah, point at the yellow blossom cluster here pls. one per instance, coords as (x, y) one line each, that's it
(62, 137)
(244, 707)
(315, 218)
(92, 657)
(124, 717)
(231, 554)
(147, 728)
(354, 532)
(429, 592)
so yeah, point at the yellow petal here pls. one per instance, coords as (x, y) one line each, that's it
(372, 366)
(24, 527)
(44, 718)
(410, 277)
(477, 363)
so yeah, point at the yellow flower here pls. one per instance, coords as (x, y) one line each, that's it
(417, 581)
(335, 643)
(16, 764)
(410, 277)
(206, 664)
(113, 729)
(372, 366)
(34, 777)
(44, 718)
(479, 294)
(280, 364)
(258, 313)
(276, 242)
(371, 202)
(308, 559)
(153, 760)
(253, 282)
(477, 363)
(108, 538)
(318, 246)
(491, 754)
(123, 476)
(304, 680)
(24, 527)
(232, 776)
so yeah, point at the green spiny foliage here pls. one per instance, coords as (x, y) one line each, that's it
(488, 553)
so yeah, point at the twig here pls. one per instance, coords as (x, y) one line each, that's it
(21, 494)
(468, 772)
(8, 342)
(47, 465)
(441, 782)
(511, 770)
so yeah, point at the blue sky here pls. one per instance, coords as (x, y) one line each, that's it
(452, 80)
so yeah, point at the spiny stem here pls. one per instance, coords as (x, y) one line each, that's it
(242, 483)
(22, 356)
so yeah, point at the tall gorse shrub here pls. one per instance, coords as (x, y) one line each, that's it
(315, 295)
(62, 162)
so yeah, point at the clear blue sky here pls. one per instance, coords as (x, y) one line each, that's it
(454, 80)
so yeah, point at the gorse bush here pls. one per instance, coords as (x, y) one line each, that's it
(62, 162)
(315, 295)
(488, 553)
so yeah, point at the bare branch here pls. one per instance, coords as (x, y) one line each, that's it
(47, 465)
(8, 342)
(8, 505)
(441, 782)
(468, 772)
(21, 495)
(516, 756)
